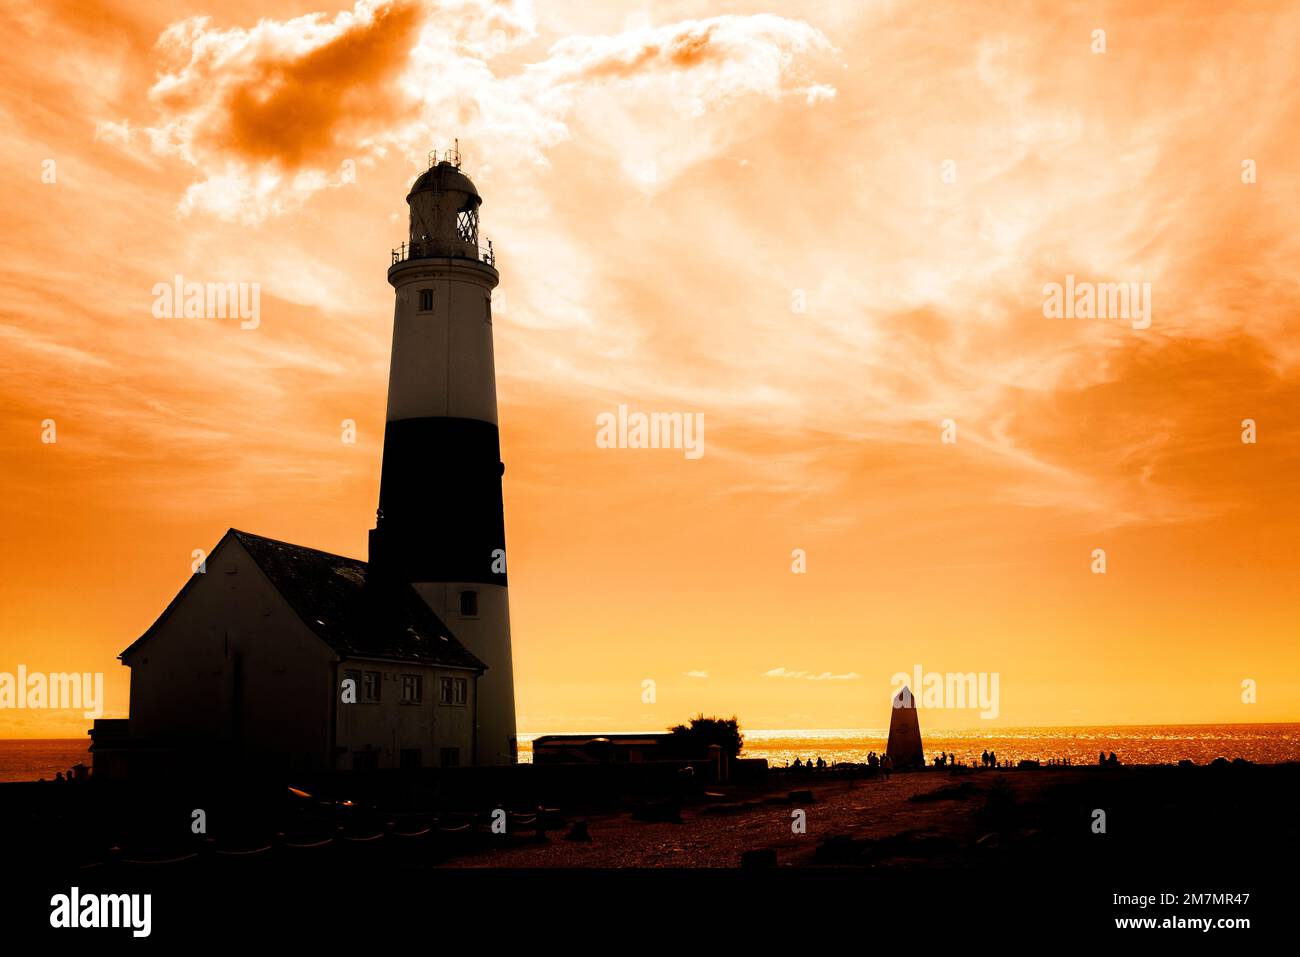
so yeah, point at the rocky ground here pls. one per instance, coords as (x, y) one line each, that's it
(935, 819)
(928, 813)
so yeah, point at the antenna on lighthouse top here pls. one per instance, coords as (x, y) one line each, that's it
(451, 156)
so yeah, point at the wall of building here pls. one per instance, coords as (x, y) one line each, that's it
(232, 663)
(391, 726)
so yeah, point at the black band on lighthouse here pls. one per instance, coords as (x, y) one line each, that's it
(440, 512)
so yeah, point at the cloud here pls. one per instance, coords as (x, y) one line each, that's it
(267, 114)
(288, 94)
(41, 347)
(811, 676)
(711, 59)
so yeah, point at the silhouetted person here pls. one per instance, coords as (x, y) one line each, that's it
(886, 763)
(1101, 757)
(1112, 760)
(993, 759)
(797, 763)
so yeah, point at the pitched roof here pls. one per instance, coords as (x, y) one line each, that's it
(351, 610)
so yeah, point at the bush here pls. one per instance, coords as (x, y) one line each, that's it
(694, 739)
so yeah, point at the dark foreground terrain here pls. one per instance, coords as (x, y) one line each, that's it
(1024, 845)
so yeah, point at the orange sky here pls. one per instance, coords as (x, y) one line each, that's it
(665, 191)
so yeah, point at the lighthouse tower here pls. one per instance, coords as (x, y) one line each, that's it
(440, 524)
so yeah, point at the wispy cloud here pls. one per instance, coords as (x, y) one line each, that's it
(811, 675)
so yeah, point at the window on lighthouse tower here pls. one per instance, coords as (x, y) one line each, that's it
(467, 225)
(426, 300)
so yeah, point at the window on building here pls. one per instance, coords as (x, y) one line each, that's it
(453, 691)
(371, 686)
(468, 604)
(426, 300)
(412, 689)
(412, 758)
(449, 757)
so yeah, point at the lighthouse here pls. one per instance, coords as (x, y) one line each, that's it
(440, 524)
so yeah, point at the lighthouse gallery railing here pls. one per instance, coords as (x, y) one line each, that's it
(442, 249)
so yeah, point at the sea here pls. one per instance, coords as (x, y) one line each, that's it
(1132, 744)
(33, 759)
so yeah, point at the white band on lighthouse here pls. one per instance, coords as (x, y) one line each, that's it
(442, 363)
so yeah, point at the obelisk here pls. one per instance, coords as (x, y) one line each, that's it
(904, 747)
